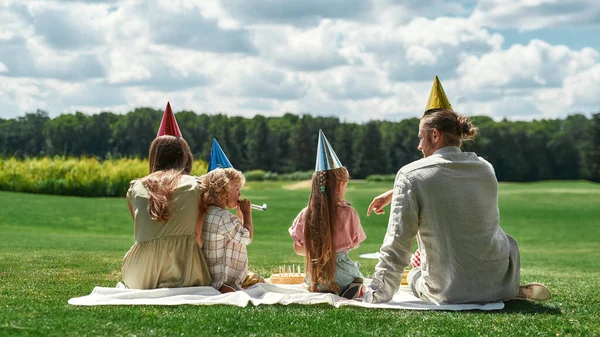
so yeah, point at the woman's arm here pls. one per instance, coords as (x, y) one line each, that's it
(130, 207)
(379, 202)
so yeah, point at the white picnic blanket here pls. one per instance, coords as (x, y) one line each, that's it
(259, 294)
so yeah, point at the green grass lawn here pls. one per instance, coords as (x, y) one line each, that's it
(53, 248)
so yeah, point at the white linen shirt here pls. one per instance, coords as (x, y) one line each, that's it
(449, 200)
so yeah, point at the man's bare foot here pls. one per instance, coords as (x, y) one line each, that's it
(533, 292)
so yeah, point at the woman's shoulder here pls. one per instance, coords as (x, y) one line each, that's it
(135, 187)
(188, 180)
(188, 184)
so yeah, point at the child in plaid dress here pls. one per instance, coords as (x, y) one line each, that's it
(224, 236)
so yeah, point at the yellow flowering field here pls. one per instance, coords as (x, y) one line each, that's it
(75, 176)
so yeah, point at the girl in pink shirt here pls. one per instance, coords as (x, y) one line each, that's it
(325, 231)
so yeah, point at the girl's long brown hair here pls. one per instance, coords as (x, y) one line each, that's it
(169, 157)
(321, 217)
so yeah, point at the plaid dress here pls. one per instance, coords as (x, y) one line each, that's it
(224, 241)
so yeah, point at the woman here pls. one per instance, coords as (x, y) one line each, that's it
(165, 207)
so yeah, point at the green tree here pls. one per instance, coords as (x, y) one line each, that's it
(24, 136)
(257, 144)
(369, 158)
(134, 132)
(344, 144)
(68, 135)
(303, 144)
(593, 157)
(280, 131)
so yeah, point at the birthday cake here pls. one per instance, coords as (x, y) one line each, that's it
(287, 278)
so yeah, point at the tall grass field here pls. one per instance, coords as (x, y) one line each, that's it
(53, 248)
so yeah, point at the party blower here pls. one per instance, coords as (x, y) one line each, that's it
(258, 207)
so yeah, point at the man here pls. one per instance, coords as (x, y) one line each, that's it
(449, 201)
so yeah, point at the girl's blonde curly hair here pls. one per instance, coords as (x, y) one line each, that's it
(216, 183)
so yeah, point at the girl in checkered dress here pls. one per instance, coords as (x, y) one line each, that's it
(224, 236)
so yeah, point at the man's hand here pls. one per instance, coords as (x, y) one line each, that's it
(380, 202)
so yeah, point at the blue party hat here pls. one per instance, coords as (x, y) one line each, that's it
(217, 158)
(326, 157)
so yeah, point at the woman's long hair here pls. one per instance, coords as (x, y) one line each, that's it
(169, 157)
(321, 217)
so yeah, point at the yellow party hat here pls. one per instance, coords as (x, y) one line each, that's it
(437, 97)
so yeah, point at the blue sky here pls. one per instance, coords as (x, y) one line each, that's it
(355, 59)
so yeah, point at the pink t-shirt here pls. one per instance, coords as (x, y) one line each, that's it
(349, 232)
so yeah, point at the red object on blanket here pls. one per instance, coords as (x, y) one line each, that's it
(415, 259)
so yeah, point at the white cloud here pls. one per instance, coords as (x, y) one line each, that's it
(24, 94)
(306, 12)
(77, 27)
(372, 59)
(154, 69)
(536, 14)
(31, 58)
(423, 48)
(250, 78)
(313, 49)
(581, 89)
(350, 83)
(183, 27)
(537, 64)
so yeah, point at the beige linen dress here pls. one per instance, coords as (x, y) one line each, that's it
(166, 254)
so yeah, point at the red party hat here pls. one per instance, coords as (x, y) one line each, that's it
(168, 124)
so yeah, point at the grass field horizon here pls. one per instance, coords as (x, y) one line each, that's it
(57, 247)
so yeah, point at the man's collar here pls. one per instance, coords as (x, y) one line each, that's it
(448, 149)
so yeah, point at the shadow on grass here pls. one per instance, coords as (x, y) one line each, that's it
(524, 307)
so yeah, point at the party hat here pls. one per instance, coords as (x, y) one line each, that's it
(168, 124)
(217, 158)
(326, 157)
(437, 97)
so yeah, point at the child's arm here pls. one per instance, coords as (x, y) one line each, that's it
(300, 250)
(245, 208)
(297, 233)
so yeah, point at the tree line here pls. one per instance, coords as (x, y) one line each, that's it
(546, 149)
